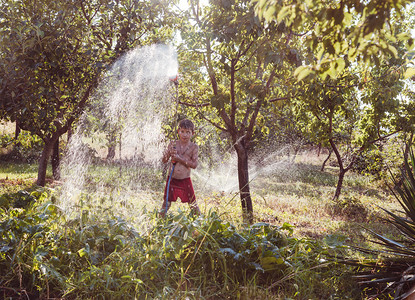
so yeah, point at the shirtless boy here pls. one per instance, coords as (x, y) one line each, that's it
(184, 154)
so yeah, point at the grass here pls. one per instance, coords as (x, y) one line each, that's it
(18, 176)
(299, 194)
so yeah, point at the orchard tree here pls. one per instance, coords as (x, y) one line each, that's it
(54, 52)
(349, 114)
(231, 64)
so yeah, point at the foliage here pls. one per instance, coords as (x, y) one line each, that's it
(348, 85)
(356, 111)
(26, 147)
(370, 162)
(341, 31)
(351, 208)
(53, 54)
(45, 254)
(383, 160)
(393, 271)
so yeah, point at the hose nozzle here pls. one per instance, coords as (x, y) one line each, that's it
(175, 80)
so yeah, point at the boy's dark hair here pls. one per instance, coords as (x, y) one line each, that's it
(187, 124)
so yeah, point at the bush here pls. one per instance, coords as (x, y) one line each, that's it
(349, 207)
(392, 272)
(27, 147)
(44, 254)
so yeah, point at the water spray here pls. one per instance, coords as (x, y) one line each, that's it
(175, 80)
(131, 102)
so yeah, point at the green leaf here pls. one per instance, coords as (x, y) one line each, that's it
(271, 262)
(403, 36)
(82, 252)
(393, 50)
(302, 72)
(283, 13)
(218, 101)
(347, 19)
(410, 72)
(269, 13)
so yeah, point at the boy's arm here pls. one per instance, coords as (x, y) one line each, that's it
(190, 162)
(167, 154)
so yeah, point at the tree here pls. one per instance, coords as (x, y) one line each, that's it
(241, 60)
(54, 52)
(350, 120)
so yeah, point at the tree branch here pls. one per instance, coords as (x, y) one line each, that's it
(194, 105)
(233, 100)
(257, 107)
(213, 123)
(279, 99)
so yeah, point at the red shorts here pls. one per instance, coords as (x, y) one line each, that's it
(180, 188)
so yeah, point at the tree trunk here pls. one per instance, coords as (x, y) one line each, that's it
(342, 171)
(70, 132)
(243, 177)
(111, 152)
(111, 147)
(55, 161)
(326, 160)
(339, 184)
(43, 162)
(16, 143)
(17, 131)
(296, 150)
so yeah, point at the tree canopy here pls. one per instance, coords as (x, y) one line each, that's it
(341, 31)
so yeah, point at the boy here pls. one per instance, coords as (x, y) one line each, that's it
(184, 154)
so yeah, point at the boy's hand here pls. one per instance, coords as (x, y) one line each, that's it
(175, 158)
(173, 154)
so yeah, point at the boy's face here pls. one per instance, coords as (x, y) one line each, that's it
(185, 134)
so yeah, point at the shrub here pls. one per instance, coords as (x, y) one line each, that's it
(392, 273)
(349, 207)
(94, 254)
(26, 148)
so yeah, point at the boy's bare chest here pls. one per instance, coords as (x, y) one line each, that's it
(184, 150)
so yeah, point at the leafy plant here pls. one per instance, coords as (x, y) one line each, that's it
(26, 147)
(6, 140)
(44, 253)
(393, 272)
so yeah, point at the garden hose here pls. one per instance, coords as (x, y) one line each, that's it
(168, 188)
(168, 183)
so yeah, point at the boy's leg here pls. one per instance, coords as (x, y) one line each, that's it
(194, 208)
(191, 197)
(163, 209)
